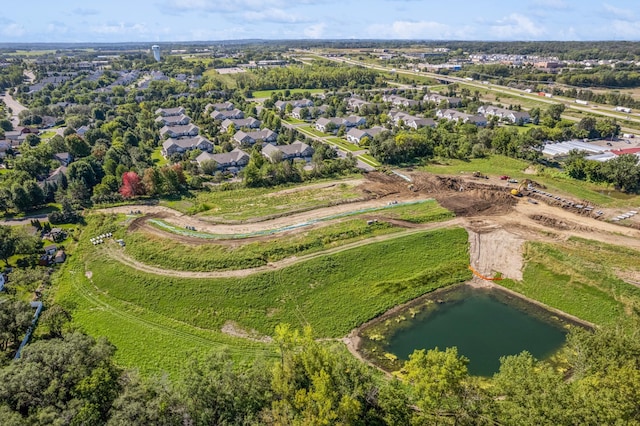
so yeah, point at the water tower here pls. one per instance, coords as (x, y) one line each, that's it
(156, 52)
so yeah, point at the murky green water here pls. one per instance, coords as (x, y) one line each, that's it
(484, 325)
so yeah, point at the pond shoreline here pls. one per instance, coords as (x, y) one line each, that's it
(353, 341)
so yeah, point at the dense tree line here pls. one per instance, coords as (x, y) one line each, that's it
(325, 76)
(72, 379)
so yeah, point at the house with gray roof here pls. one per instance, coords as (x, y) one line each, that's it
(168, 112)
(236, 159)
(351, 121)
(282, 105)
(505, 114)
(250, 138)
(173, 145)
(294, 150)
(354, 103)
(222, 106)
(452, 102)
(239, 123)
(173, 120)
(458, 116)
(356, 135)
(179, 131)
(396, 100)
(227, 114)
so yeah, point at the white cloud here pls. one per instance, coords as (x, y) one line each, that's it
(120, 28)
(417, 30)
(315, 30)
(272, 15)
(625, 30)
(515, 26)
(82, 11)
(624, 14)
(12, 30)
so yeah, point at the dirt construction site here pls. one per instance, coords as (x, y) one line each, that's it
(498, 222)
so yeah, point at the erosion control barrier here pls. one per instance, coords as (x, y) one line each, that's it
(479, 275)
(206, 235)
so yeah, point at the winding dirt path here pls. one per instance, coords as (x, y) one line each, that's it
(117, 253)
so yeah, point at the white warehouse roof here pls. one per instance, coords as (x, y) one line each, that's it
(563, 148)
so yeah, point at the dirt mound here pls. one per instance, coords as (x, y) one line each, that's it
(380, 184)
(477, 202)
(557, 223)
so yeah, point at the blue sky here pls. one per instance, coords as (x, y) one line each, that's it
(187, 20)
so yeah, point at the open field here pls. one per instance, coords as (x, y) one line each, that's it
(583, 278)
(165, 287)
(157, 321)
(252, 203)
(154, 247)
(497, 165)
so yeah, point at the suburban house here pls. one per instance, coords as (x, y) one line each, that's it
(223, 106)
(353, 103)
(56, 178)
(51, 249)
(172, 146)
(250, 138)
(351, 121)
(455, 115)
(400, 101)
(418, 122)
(168, 112)
(234, 159)
(64, 158)
(80, 131)
(302, 103)
(294, 150)
(60, 256)
(504, 114)
(239, 123)
(227, 114)
(437, 99)
(410, 120)
(179, 131)
(356, 135)
(173, 120)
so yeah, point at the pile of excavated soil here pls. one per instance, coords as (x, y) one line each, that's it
(558, 223)
(477, 202)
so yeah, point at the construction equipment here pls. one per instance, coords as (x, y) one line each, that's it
(479, 175)
(517, 192)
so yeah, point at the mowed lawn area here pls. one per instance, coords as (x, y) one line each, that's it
(157, 320)
(582, 278)
(554, 180)
(268, 93)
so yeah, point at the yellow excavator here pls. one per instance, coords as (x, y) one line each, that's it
(517, 192)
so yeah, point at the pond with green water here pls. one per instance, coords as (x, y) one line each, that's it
(484, 324)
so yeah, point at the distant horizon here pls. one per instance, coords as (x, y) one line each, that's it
(186, 21)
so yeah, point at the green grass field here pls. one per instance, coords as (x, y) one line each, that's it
(554, 180)
(245, 203)
(367, 158)
(268, 93)
(157, 321)
(347, 146)
(170, 254)
(580, 277)
(157, 158)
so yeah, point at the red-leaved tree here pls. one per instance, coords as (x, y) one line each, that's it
(131, 185)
